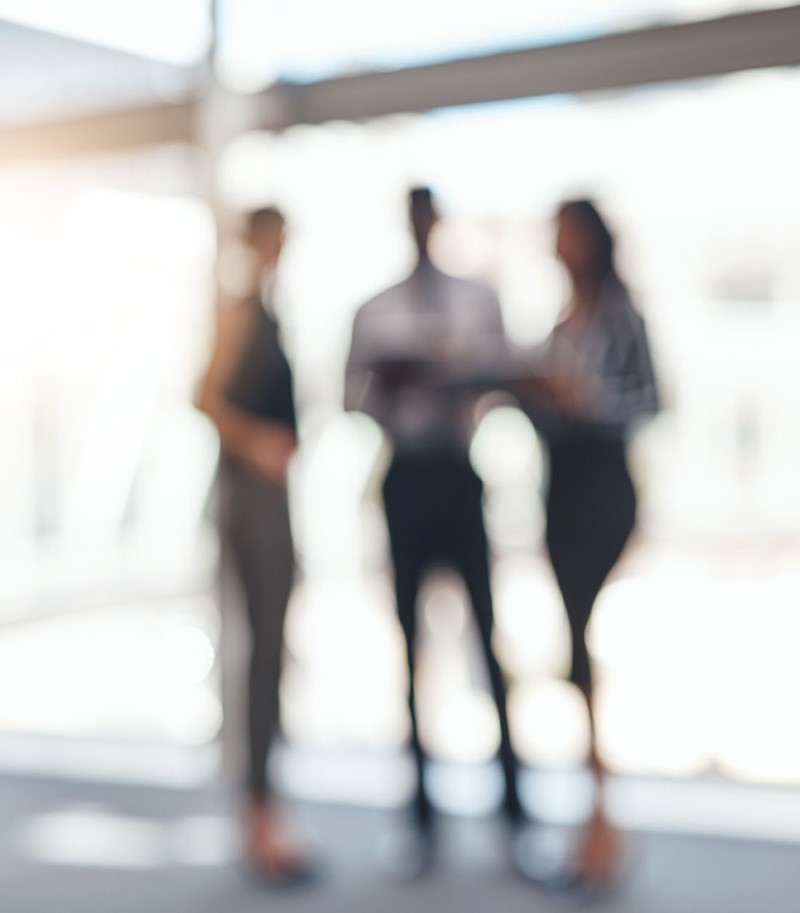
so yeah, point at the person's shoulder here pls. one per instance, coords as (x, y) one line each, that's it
(623, 315)
(465, 282)
(387, 298)
(617, 299)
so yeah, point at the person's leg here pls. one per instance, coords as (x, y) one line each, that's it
(406, 537)
(597, 854)
(587, 532)
(407, 581)
(579, 591)
(261, 543)
(471, 556)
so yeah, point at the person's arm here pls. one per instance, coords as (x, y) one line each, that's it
(619, 387)
(364, 389)
(636, 393)
(264, 446)
(623, 389)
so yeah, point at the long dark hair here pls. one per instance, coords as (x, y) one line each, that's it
(601, 240)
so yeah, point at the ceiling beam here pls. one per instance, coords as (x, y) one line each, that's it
(126, 128)
(677, 52)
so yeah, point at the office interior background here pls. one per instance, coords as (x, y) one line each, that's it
(130, 137)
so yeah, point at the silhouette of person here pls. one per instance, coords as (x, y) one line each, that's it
(248, 393)
(404, 341)
(594, 380)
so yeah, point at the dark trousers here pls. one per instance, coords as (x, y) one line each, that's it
(257, 545)
(591, 511)
(434, 512)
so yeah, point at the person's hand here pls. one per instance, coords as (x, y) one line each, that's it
(563, 390)
(526, 388)
(398, 373)
(269, 452)
(567, 390)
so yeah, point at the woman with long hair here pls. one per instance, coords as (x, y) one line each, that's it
(595, 380)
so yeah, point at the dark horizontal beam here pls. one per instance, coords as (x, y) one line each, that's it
(678, 52)
(711, 47)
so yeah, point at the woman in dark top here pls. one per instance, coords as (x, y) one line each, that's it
(247, 392)
(595, 380)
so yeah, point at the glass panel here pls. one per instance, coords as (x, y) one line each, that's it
(105, 291)
(694, 178)
(106, 467)
(91, 77)
(176, 31)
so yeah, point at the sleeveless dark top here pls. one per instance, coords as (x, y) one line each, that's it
(262, 381)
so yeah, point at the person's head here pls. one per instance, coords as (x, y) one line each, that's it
(423, 215)
(584, 243)
(264, 232)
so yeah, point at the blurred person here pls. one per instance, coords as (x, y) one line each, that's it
(405, 341)
(247, 392)
(593, 381)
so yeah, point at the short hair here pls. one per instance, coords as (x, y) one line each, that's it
(420, 197)
(263, 217)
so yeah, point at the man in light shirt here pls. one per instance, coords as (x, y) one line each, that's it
(411, 345)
